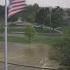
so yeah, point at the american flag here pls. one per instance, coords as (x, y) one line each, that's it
(16, 6)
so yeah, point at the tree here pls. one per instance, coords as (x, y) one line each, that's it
(2, 13)
(68, 12)
(41, 16)
(47, 16)
(30, 13)
(56, 17)
(36, 7)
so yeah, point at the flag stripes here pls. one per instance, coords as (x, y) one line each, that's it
(16, 6)
(15, 2)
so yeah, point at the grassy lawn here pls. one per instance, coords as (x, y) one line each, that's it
(27, 54)
(15, 30)
(39, 38)
(36, 39)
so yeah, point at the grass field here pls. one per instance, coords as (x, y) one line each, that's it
(21, 51)
(36, 39)
(35, 51)
(28, 54)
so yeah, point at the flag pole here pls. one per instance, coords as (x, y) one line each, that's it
(5, 52)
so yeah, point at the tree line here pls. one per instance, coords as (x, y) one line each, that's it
(48, 16)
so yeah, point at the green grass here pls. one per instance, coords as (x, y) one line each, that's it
(47, 39)
(15, 30)
(36, 39)
(1, 38)
(17, 39)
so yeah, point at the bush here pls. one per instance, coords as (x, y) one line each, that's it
(61, 49)
(29, 32)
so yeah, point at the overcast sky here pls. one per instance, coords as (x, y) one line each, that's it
(61, 3)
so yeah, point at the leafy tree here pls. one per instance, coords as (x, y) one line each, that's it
(68, 12)
(36, 7)
(2, 13)
(56, 17)
(47, 16)
(40, 17)
(30, 12)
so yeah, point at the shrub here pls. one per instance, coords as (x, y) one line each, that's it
(30, 32)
